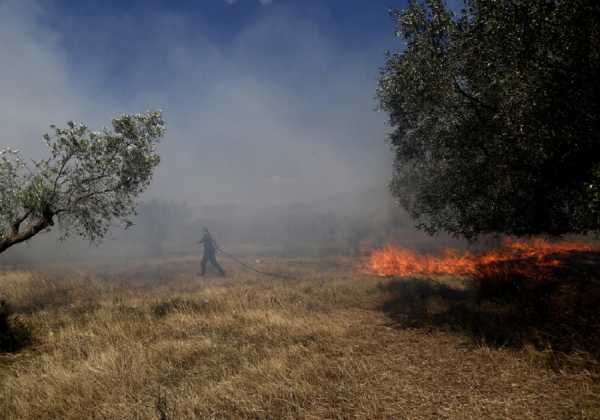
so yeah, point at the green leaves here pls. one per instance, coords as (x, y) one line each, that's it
(89, 180)
(496, 116)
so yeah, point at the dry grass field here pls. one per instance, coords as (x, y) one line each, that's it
(154, 340)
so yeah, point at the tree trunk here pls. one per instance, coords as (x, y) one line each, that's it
(33, 229)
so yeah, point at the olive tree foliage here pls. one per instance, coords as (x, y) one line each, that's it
(89, 180)
(495, 116)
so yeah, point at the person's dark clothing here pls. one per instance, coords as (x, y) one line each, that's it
(210, 248)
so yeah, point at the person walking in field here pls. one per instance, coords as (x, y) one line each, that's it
(210, 249)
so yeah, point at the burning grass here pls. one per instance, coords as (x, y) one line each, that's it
(132, 343)
(537, 257)
(526, 293)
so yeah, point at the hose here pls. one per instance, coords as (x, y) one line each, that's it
(249, 267)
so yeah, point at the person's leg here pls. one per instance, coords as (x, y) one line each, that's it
(214, 262)
(203, 265)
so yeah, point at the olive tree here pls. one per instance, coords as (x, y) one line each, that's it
(495, 116)
(88, 180)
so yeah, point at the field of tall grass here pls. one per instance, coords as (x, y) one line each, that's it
(153, 340)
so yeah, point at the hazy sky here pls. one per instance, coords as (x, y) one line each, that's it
(265, 101)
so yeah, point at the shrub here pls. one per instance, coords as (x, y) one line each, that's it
(14, 334)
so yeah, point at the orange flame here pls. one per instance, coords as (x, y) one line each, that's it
(394, 261)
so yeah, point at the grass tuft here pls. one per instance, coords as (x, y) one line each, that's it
(179, 305)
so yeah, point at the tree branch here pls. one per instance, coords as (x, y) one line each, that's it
(472, 98)
(33, 229)
(17, 223)
(86, 197)
(60, 172)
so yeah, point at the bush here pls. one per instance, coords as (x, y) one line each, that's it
(14, 334)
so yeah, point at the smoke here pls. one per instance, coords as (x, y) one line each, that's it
(278, 115)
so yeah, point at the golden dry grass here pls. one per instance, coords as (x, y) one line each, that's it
(152, 340)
